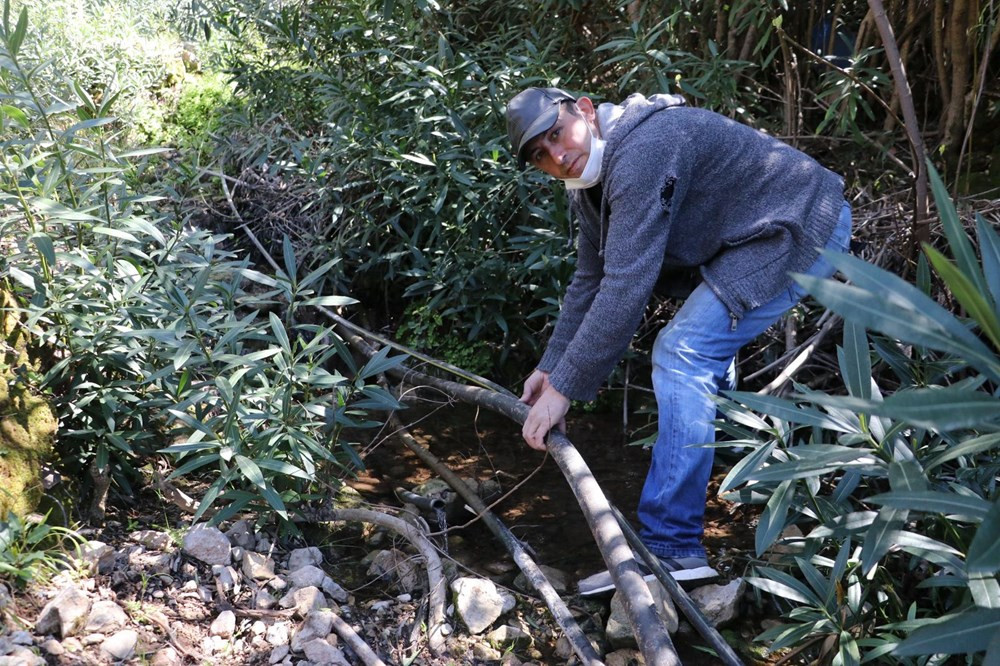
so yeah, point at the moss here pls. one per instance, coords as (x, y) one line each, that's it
(27, 424)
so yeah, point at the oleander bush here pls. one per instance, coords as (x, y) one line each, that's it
(156, 338)
(893, 486)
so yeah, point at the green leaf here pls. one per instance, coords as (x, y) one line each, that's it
(984, 551)
(116, 233)
(813, 460)
(45, 247)
(959, 633)
(989, 247)
(985, 590)
(958, 240)
(15, 114)
(742, 470)
(886, 303)
(274, 500)
(17, 37)
(772, 519)
(330, 301)
(932, 501)
(279, 332)
(975, 302)
(855, 362)
(969, 447)
(258, 277)
(781, 584)
(288, 250)
(786, 410)
(940, 409)
(879, 537)
(419, 159)
(250, 470)
(380, 363)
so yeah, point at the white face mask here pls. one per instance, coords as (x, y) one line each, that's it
(592, 169)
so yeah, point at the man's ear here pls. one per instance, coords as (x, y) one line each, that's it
(586, 107)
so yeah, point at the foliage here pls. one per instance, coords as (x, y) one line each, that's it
(893, 484)
(153, 328)
(33, 550)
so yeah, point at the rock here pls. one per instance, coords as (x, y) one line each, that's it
(484, 652)
(72, 645)
(93, 639)
(152, 539)
(395, 565)
(719, 603)
(277, 654)
(510, 660)
(65, 614)
(120, 646)
(53, 647)
(316, 625)
(263, 544)
(97, 556)
(228, 577)
(311, 576)
(241, 535)
(20, 638)
(623, 658)
(303, 557)
(22, 656)
(304, 600)
(258, 628)
(257, 566)
(559, 580)
(105, 617)
(318, 651)
(264, 599)
(507, 635)
(150, 563)
(477, 602)
(277, 633)
(619, 629)
(224, 625)
(207, 544)
(789, 544)
(167, 656)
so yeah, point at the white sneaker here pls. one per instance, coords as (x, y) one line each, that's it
(689, 572)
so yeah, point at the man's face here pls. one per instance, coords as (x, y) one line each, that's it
(563, 149)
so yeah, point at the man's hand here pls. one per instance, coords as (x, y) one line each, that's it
(534, 386)
(548, 411)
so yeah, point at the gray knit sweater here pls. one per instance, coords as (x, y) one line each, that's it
(683, 187)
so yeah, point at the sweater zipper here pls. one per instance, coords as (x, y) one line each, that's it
(735, 320)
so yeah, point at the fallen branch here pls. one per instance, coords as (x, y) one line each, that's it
(355, 642)
(435, 579)
(799, 361)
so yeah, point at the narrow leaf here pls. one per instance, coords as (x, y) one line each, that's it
(984, 551)
(959, 633)
(855, 362)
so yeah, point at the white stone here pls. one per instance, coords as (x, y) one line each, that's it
(395, 565)
(258, 628)
(318, 651)
(105, 616)
(97, 556)
(120, 646)
(316, 625)
(53, 647)
(619, 628)
(277, 633)
(277, 654)
(720, 603)
(477, 602)
(65, 614)
(152, 539)
(207, 544)
(228, 577)
(241, 534)
(507, 635)
(304, 600)
(224, 625)
(301, 557)
(307, 576)
(166, 656)
(257, 566)
(264, 599)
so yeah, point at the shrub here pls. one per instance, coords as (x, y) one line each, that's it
(153, 330)
(894, 484)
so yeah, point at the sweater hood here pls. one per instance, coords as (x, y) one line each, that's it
(617, 120)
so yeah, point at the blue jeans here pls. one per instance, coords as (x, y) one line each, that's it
(693, 359)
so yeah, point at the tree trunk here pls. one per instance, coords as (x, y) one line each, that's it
(938, 27)
(954, 117)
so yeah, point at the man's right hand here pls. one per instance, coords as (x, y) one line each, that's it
(534, 386)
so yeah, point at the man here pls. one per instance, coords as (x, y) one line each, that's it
(656, 185)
